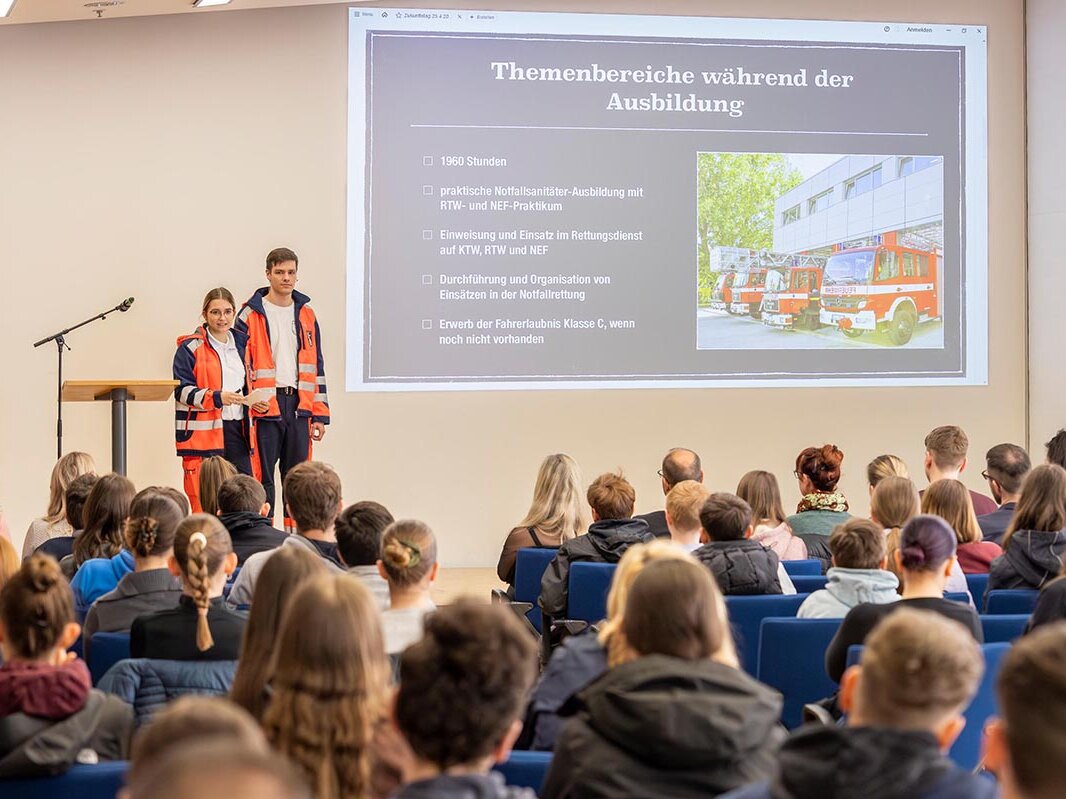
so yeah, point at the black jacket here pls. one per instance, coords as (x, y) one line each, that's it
(171, 634)
(250, 533)
(741, 567)
(1051, 606)
(818, 549)
(606, 542)
(463, 786)
(819, 762)
(664, 727)
(37, 747)
(1030, 560)
(656, 521)
(994, 525)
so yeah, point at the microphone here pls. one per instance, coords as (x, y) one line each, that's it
(125, 304)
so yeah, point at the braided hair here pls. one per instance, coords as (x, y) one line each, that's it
(201, 544)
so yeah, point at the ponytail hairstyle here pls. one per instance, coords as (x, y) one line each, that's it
(822, 466)
(36, 605)
(885, 466)
(214, 471)
(201, 547)
(408, 552)
(895, 502)
(105, 514)
(154, 517)
(67, 468)
(926, 543)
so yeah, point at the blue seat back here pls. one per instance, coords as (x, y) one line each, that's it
(1004, 627)
(530, 563)
(967, 748)
(745, 616)
(957, 596)
(792, 660)
(804, 567)
(98, 781)
(854, 655)
(589, 584)
(107, 649)
(808, 583)
(1014, 600)
(525, 769)
(978, 585)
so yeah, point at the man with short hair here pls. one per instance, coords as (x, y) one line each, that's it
(740, 565)
(1056, 449)
(313, 500)
(679, 464)
(284, 353)
(1005, 468)
(858, 573)
(358, 530)
(683, 505)
(1025, 747)
(612, 532)
(945, 458)
(242, 508)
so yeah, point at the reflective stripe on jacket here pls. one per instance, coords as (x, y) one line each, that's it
(198, 397)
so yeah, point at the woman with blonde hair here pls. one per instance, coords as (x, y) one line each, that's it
(54, 523)
(556, 514)
(409, 565)
(950, 500)
(1035, 540)
(329, 684)
(893, 503)
(760, 490)
(9, 560)
(885, 466)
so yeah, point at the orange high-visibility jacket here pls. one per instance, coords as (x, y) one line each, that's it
(198, 397)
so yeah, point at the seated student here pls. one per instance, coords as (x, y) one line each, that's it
(200, 627)
(1056, 449)
(56, 522)
(885, 466)
(75, 498)
(760, 490)
(679, 718)
(822, 506)
(214, 471)
(858, 574)
(1006, 466)
(945, 458)
(925, 557)
(612, 532)
(284, 573)
(49, 713)
(1035, 541)
(313, 500)
(461, 691)
(582, 658)
(904, 702)
(950, 500)
(1051, 605)
(1026, 745)
(242, 507)
(358, 530)
(104, 517)
(740, 565)
(678, 464)
(683, 505)
(154, 519)
(409, 564)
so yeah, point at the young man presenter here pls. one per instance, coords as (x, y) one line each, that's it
(284, 361)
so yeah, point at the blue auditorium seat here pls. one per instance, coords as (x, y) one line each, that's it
(978, 585)
(530, 563)
(957, 596)
(525, 769)
(808, 583)
(588, 587)
(804, 567)
(107, 649)
(1003, 628)
(1014, 600)
(745, 616)
(792, 660)
(98, 781)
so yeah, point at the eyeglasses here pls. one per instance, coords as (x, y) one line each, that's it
(796, 474)
(217, 312)
(985, 476)
(660, 473)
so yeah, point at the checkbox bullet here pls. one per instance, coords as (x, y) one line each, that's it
(427, 324)
(427, 160)
(427, 235)
(427, 280)
(427, 191)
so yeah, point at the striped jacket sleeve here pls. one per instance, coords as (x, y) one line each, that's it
(187, 392)
(320, 407)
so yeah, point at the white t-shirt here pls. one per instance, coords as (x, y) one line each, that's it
(232, 373)
(282, 323)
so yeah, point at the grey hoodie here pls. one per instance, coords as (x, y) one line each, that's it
(846, 589)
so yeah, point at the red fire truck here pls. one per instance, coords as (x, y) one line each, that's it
(722, 295)
(796, 306)
(883, 287)
(748, 287)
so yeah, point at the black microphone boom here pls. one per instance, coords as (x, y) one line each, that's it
(125, 304)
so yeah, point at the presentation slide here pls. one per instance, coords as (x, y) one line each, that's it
(541, 200)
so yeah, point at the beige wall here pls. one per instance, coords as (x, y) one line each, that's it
(158, 157)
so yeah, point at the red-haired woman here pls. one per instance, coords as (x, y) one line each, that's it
(822, 507)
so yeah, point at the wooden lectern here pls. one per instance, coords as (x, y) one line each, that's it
(119, 392)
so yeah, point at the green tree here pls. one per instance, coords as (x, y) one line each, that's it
(735, 196)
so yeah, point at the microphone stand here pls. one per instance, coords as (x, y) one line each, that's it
(61, 344)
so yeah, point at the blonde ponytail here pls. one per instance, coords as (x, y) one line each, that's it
(201, 545)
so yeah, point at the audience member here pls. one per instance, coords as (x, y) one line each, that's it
(9, 561)
(582, 658)
(678, 464)
(950, 500)
(358, 529)
(214, 471)
(1006, 466)
(329, 685)
(612, 532)
(1056, 449)
(760, 490)
(77, 495)
(154, 519)
(54, 523)
(1035, 540)
(822, 507)
(1051, 605)
(461, 691)
(885, 466)
(858, 574)
(904, 702)
(1026, 746)
(945, 458)
(740, 565)
(679, 718)
(926, 554)
(312, 492)
(105, 514)
(409, 564)
(556, 514)
(284, 573)
(683, 505)
(894, 502)
(200, 627)
(49, 713)
(243, 508)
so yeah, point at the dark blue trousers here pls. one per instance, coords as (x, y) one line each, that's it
(287, 440)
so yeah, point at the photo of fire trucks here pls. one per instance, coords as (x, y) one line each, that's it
(815, 251)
